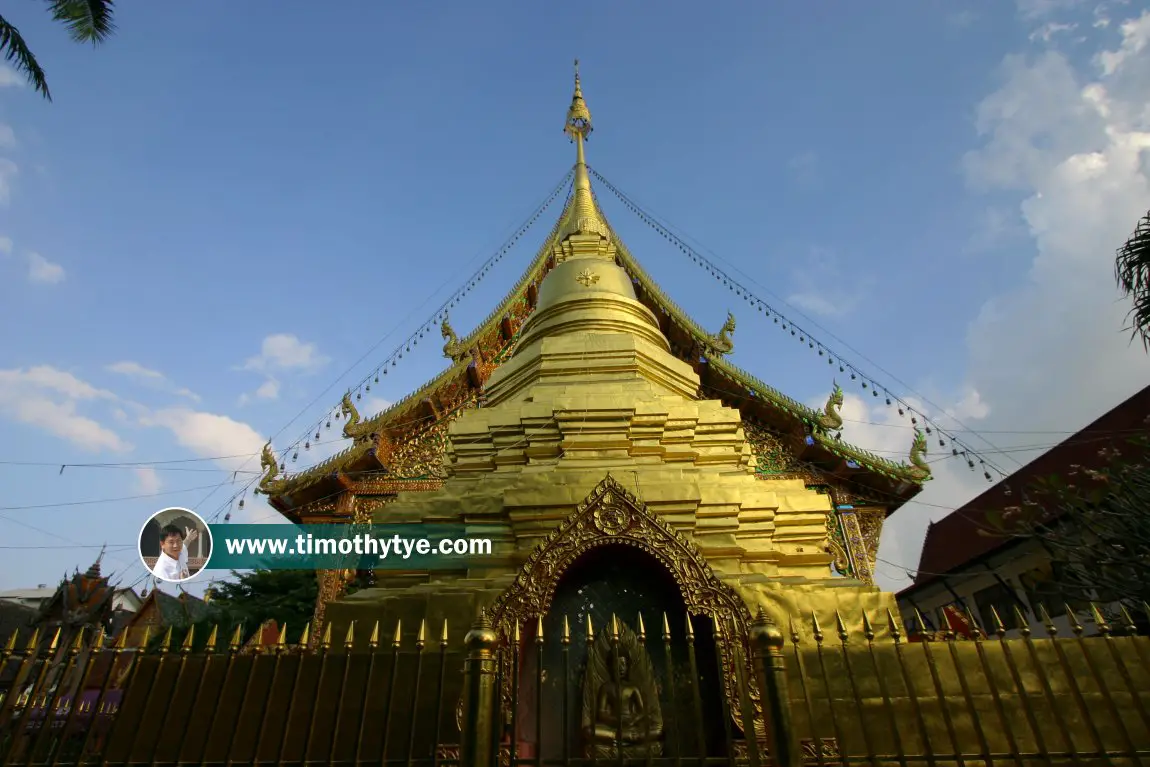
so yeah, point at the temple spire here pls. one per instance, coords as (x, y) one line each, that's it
(94, 570)
(584, 218)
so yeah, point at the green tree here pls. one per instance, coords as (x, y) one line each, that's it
(1132, 271)
(1095, 526)
(88, 21)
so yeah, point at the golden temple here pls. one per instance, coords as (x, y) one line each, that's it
(682, 569)
(587, 369)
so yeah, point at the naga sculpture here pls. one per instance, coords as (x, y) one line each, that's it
(921, 469)
(350, 413)
(269, 465)
(453, 348)
(831, 418)
(621, 699)
(723, 343)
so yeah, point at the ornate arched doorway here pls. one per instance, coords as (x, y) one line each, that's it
(613, 557)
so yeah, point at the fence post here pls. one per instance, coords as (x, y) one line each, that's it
(770, 665)
(476, 746)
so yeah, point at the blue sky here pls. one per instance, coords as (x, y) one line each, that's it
(223, 209)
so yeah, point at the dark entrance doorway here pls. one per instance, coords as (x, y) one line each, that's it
(624, 582)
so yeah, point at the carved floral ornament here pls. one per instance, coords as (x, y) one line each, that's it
(612, 516)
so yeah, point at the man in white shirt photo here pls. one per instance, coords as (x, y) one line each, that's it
(171, 566)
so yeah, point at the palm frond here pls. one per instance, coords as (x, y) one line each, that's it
(1132, 273)
(88, 21)
(17, 53)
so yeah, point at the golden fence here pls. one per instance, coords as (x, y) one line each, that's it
(833, 695)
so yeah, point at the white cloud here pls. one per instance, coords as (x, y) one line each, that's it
(1047, 31)
(148, 481)
(135, 370)
(10, 78)
(281, 353)
(820, 286)
(48, 398)
(1135, 37)
(284, 351)
(1049, 353)
(8, 173)
(154, 378)
(186, 392)
(7, 137)
(42, 271)
(270, 389)
(208, 435)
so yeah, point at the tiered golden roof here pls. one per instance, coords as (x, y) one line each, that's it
(392, 445)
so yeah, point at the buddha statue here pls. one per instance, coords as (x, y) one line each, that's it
(626, 705)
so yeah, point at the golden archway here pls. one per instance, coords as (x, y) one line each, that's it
(611, 516)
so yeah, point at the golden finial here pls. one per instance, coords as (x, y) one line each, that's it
(305, 637)
(421, 637)
(186, 645)
(78, 642)
(349, 639)
(515, 634)
(121, 641)
(794, 630)
(373, 640)
(818, 630)
(325, 641)
(281, 640)
(842, 629)
(892, 624)
(1051, 629)
(920, 621)
(101, 639)
(1023, 624)
(147, 638)
(999, 626)
(1128, 620)
(690, 629)
(976, 627)
(614, 627)
(210, 645)
(583, 217)
(1075, 626)
(237, 638)
(566, 631)
(944, 624)
(1099, 620)
(11, 645)
(578, 124)
(443, 636)
(868, 629)
(666, 628)
(539, 629)
(642, 629)
(398, 633)
(166, 643)
(55, 640)
(590, 630)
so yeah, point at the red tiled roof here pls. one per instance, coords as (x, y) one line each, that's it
(954, 541)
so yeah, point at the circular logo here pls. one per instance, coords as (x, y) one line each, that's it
(175, 544)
